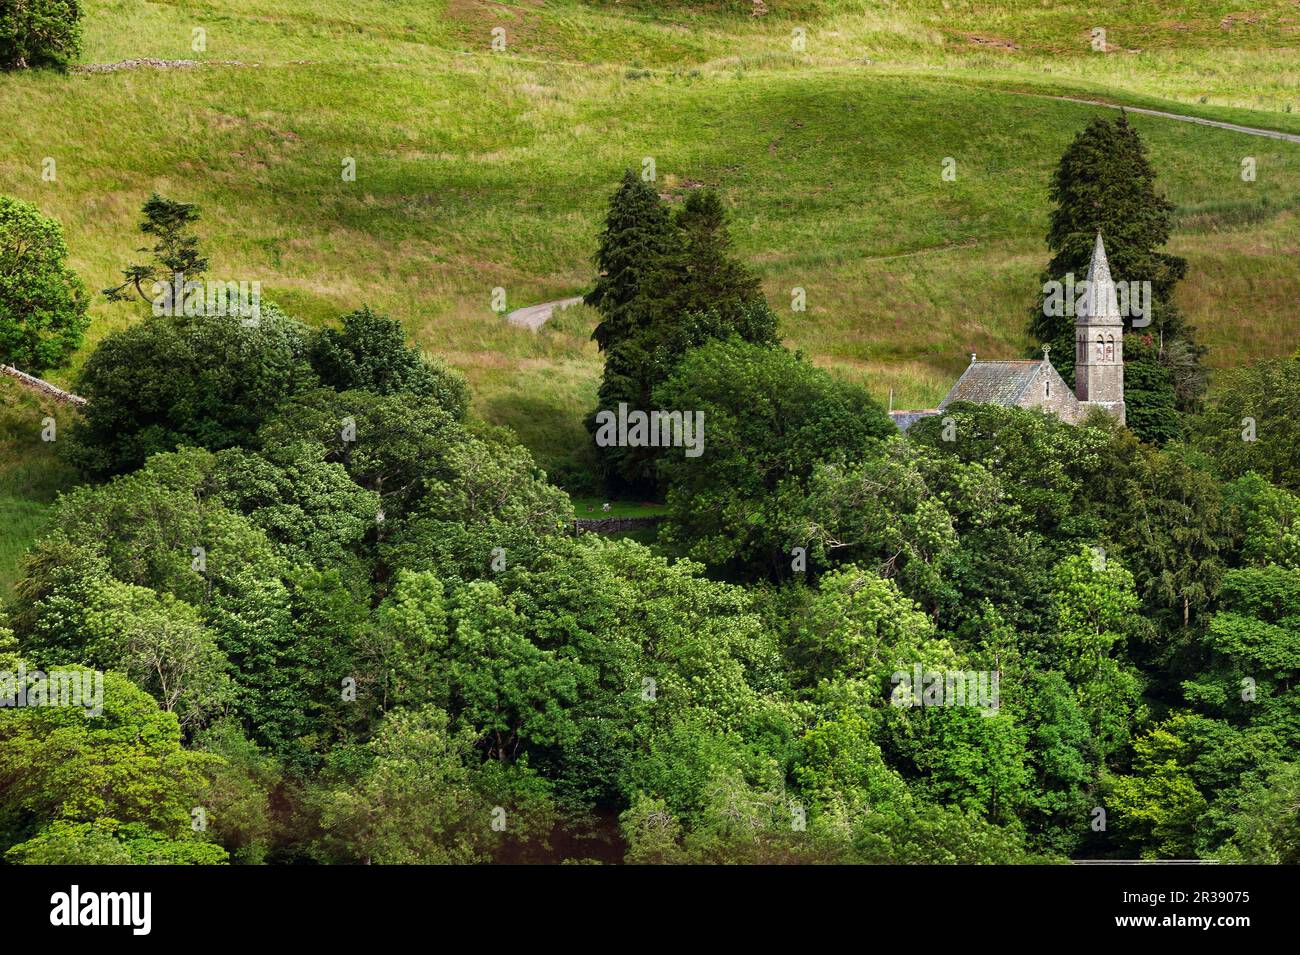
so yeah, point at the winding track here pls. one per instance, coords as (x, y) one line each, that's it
(1181, 117)
(534, 317)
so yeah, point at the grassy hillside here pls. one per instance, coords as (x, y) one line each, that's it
(31, 474)
(478, 169)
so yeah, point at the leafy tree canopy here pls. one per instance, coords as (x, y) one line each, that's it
(769, 419)
(42, 302)
(370, 353)
(168, 381)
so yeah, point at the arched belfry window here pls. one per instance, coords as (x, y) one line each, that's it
(1110, 348)
(1101, 348)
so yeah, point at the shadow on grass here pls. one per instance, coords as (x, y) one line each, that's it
(551, 429)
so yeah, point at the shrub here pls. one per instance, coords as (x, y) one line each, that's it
(39, 33)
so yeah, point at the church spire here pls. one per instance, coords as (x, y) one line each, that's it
(1101, 301)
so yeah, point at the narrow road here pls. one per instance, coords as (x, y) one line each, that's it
(1233, 127)
(534, 317)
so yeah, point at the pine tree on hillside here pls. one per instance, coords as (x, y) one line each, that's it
(175, 251)
(638, 236)
(1104, 183)
(700, 291)
(713, 278)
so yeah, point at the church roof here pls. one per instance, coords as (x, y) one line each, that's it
(1101, 301)
(993, 382)
(905, 419)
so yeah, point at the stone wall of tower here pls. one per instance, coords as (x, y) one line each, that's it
(1099, 342)
(1099, 362)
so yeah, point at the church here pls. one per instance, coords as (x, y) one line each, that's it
(1098, 358)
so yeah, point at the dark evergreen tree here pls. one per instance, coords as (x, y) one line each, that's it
(1149, 392)
(638, 236)
(1104, 183)
(702, 274)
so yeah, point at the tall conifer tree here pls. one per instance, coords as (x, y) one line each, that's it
(637, 238)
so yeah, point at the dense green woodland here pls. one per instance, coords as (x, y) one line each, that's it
(390, 647)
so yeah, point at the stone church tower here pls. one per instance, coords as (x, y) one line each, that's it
(1099, 342)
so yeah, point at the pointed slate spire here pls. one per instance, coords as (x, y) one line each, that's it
(1101, 301)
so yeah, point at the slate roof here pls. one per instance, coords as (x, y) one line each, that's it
(993, 382)
(905, 419)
